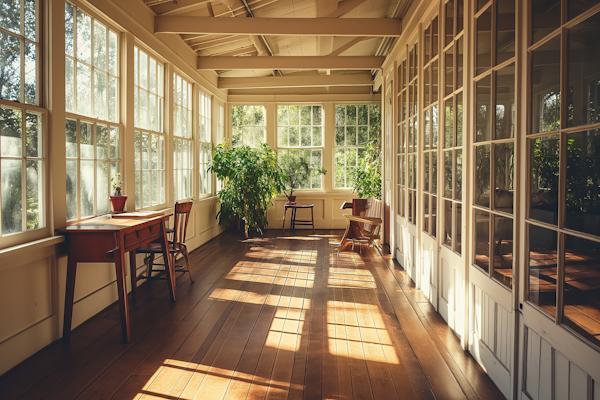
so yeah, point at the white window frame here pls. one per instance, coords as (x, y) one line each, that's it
(183, 138)
(205, 184)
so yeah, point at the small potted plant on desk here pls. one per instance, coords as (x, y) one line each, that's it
(297, 172)
(117, 201)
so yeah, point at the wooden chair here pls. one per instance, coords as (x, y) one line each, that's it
(176, 244)
(364, 225)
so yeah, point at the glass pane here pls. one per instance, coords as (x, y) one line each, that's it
(482, 175)
(152, 76)
(154, 150)
(482, 239)
(427, 129)
(294, 136)
(458, 175)
(434, 169)
(545, 17)
(282, 115)
(426, 188)
(144, 70)
(317, 138)
(143, 102)
(34, 135)
(543, 268)
(31, 73)
(71, 190)
(69, 33)
(484, 109)
(505, 184)
(146, 188)
(449, 22)
(112, 53)
(351, 139)
(102, 191)
(458, 224)
(583, 79)
(11, 128)
(505, 24)
(294, 115)
(543, 202)
(449, 127)
(10, 64)
(448, 223)
(114, 143)
(433, 216)
(583, 182)
(434, 81)
(155, 187)
(503, 250)
(434, 127)
(434, 37)
(459, 63)
(582, 286)
(112, 99)
(99, 46)
(35, 194)
(305, 114)
(86, 188)
(145, 151)
(459, 119)
(100, 94)
(545, 87)
(505, 103)
(10, 18)
(84, 37)
(236, 115)
(71, 138)
(138, 189)
(448, 174)
(101, 141)
(12, 201)
(426, 214)
(449, 71)
(84, 89)
(427, 35)
(459, 16)
(351, 115)
(86, 140)
(152, 115)
(69, 86)
(484, 41)
(317, 112)
(305, 136)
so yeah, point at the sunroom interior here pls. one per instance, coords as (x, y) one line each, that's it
(487, 285)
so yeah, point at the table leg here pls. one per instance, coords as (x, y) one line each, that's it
(133, 273)
(312, 217)
(345, 236)
(69, 296)
(283, 227)
(122, 291)
(293, 221)
(169, 263)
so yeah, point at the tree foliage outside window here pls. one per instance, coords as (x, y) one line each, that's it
(183, 143)
(248, 125)
(149, 155)
(368, 176)
(19, 51)
(21, 171)
(91, 66)
(352, 133)
(205, 136)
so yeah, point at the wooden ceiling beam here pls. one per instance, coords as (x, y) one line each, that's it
(216, 42)
(388, 27)
(295, 81)
(291, 63)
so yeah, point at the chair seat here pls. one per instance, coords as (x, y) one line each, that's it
(156, 248)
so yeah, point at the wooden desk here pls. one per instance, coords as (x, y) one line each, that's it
(353, 229)
(102, 240)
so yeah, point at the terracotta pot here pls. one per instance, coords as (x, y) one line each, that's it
(118, 203)
(291, 199)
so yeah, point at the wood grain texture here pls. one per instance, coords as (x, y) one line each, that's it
(268, 318)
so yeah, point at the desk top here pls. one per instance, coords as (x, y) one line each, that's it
(107, 224)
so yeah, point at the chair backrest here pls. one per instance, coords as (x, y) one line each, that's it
(373, 210)
(182, 217)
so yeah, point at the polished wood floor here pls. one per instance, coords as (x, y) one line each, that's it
(274, 317)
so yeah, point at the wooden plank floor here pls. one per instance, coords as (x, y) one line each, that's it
(270, 318)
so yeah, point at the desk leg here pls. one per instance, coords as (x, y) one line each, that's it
(69, 296)
(133, 273)
(283, 227)
(122, 290)
(343, 242)
(169, 262)
(312, 217)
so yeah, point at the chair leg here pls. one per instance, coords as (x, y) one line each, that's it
(133, 273)
(312, 217)
(187, 261)
(149, 269)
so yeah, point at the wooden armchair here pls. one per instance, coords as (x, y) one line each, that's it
(364, 225)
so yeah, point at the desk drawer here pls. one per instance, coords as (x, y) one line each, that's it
(144, 235)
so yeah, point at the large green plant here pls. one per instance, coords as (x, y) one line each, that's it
(368, 175)
(251, 178)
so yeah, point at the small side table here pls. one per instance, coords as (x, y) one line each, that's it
(295, 221)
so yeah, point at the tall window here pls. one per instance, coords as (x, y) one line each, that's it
(402, 123)
(431, 125)
(220, 133)
(205, 133)
(452, 158)
(248, 125)
(352, 130)
(20, 51)
(412, 136)
(92, 141)
(563, 213)
(93, 157)
(493, 147)
(149, 140)
(91, 66)
(300, 135)
(183, 144)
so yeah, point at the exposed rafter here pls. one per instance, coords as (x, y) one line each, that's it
(238, 52)
(290, 63)
(295, 81)
(217, 42)
(345, 47)
(280, 26)
(344, 7)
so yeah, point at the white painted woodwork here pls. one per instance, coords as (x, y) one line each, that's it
(387, 27)
(295, 81)
(291, 63)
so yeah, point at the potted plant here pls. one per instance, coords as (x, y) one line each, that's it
(251, 178)
(296, 170)
(117, 201)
